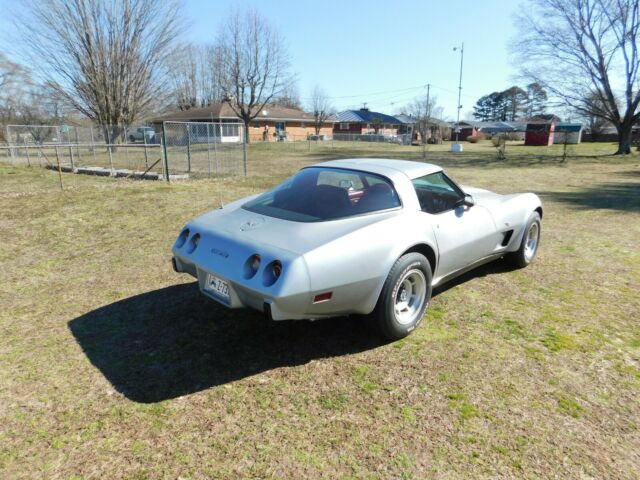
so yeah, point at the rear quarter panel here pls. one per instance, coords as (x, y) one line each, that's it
(355, 266)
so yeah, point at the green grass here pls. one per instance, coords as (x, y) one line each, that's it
(112, 365)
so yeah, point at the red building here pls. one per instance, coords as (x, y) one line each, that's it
(466, 130)
(540, 132)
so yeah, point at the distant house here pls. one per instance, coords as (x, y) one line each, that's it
(273, 123)
(570, 133)
(464, 130)
(364, 121)
(434, 130)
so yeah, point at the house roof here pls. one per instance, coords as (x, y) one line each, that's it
(501, 127)
(222, 111)
(407, 119)
(568, 127)
(366, 116)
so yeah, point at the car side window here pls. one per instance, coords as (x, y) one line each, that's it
(437, 193)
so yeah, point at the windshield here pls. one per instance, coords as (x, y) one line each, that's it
(317, 194)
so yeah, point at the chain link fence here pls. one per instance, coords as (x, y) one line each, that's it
(180, 150)
(117, 149)
(204, 149)
(171, 150)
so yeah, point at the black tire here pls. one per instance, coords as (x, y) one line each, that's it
(524, 256)
(410, 266)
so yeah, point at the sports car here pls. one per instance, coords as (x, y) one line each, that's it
(357, 236)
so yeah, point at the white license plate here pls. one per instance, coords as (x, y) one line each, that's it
(217, 286)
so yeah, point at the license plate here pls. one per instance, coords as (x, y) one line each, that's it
(217, 286)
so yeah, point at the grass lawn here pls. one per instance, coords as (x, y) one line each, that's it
(114, 366)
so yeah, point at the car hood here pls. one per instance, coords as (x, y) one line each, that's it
(243, 226)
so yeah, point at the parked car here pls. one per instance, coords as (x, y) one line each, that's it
(357, 236)
(142, 134)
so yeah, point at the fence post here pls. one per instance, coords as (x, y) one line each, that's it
(164, 151)
(93, 146)
(70, 151)
(146, 157)
(126, 148)
(215, 150)
(188, 148)
(109, 148)
(78, 146)
(26, 149)
(244, 148)
(10, 151)
(208, 150)
(59, 168)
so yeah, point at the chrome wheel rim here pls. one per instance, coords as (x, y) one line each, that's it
(531, 243)
(409, 296)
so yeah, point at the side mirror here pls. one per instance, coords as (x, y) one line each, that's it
(468, 201)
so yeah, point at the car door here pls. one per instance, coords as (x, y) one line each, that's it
(464, 233)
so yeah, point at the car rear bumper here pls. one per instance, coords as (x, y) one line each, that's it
(291, 307)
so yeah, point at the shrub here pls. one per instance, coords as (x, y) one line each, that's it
(472, 139)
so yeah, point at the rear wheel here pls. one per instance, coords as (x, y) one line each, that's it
(529, 245)
(405, 296)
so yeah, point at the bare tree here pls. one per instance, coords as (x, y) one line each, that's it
(593, 118)
(321, 108)
(426, 112)
(574, 48)
(103, 57)
(15, 82)
(289, 97)
(193, 75)
(255, 65)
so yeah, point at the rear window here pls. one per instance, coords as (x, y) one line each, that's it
(318, 194)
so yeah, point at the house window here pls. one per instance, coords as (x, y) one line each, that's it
(303, 125)
(344, 126)
(280, 126)
(256, 124)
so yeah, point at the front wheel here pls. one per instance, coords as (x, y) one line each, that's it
(530, 242)
(405, 296)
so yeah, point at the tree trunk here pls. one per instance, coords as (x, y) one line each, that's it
(624, 138)
(246, 131)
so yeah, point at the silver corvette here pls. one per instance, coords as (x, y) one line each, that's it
(356, 236)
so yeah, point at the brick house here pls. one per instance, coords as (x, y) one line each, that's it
(273, 123)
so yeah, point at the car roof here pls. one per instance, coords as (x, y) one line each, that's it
(384, 166)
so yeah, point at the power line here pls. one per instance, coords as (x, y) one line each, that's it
(361, 95)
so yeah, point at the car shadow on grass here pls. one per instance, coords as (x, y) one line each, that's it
(495, 267)
(609, 196)
(174, 341)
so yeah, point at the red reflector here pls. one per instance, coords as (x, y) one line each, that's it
(322, 297)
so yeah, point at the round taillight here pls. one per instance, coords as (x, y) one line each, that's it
(276, 268)
(251, 266)
(193, 243)
(271, 273)
(182, 238)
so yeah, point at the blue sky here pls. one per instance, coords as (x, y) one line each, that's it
(382, 53)
(357, 48)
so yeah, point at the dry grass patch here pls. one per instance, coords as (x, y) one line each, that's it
(112, 365)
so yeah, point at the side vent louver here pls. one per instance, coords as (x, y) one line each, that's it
(507, 237)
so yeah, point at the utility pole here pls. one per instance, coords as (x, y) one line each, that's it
(457, 147)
